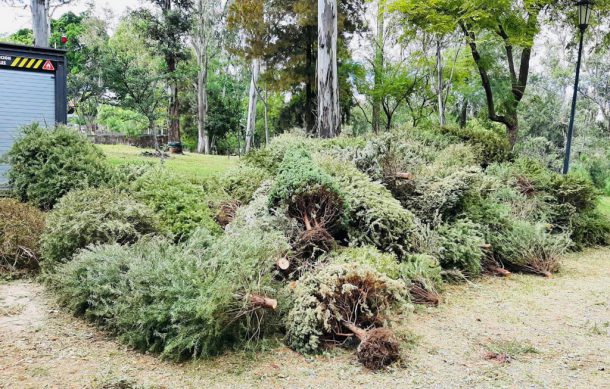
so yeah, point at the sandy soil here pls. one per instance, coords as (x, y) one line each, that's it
(524, 331)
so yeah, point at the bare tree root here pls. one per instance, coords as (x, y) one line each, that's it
(226, 212)
(421, 294)
(378, 347)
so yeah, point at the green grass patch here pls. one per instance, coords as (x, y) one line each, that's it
(512, 348)
(193, 167)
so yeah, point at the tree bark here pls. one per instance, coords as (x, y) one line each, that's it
(329, 116)
(201, 50)
(40, 22)
(263, 302)
(252, 99)
(439, 83)
(378, 65)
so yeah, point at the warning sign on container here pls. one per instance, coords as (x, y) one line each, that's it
(27, 64)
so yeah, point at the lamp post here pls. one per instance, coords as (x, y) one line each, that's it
(584, 16)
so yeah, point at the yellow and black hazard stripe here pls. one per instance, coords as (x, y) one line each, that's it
(27, 63)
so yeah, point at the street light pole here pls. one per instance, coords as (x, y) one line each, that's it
(584, 14)
(566, 161)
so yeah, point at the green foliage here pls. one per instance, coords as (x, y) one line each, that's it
(122, 121)
(298, 175)
(435, 199)
(180, 205)
(374, 217)
(47, 164)
(531, 247)
(490, 146)
(460, 247)
(241, 182)
(93, 216)
(183, 301)
(384, 263)
(590, 228)
(574, 190)
(340, 292)
(123, 175)
(422, 268)
(20, 228)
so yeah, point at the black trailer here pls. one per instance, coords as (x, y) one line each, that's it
(32, 89)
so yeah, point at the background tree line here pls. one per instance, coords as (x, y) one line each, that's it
(225, 76)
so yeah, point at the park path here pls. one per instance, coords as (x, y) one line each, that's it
(524, 331)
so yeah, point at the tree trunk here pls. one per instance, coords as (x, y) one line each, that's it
(266, 101)
(378, 65)
(310, 95)
(464, 114)
(201, 51)
(329, 117)
(173, 132)
(40, 22)
(251, 123)
(262, 302)
(439, 83)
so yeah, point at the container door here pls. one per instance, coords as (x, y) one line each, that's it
(25, 98)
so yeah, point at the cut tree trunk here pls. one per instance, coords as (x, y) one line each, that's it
(329, 116)
(263, 302)
(252, 98)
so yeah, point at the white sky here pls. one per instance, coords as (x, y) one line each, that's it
(15, 18)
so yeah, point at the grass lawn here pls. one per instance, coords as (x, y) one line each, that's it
(605, 205)
(193, 167)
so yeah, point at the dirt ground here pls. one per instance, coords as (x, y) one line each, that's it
(524, 331)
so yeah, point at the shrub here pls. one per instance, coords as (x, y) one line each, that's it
(122, 176)
(180, 205)
(47, 164)
(384, 263)
(337, 294)
(590, 228)
(424, 268)
(20, 228)
(491, 146)
(530, 247)
(438, 199)
(460, 245)
(374, 217)
(422, 274)
(311, 197)
(166, 298)
(241, 182)
(93, 216)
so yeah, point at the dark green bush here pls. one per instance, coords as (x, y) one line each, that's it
(122, 176)
(530, 247)
(93, 216)
(438, 199)
(181, 206)
(590, 228)
(241, 182)
(20, 228)
(183, 301)
(298, 175)
(310, 195)
(374, 217)
(335, 293)
(47, 164)
(460, 245)
(491, 146)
